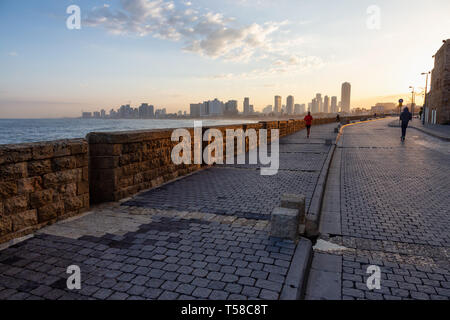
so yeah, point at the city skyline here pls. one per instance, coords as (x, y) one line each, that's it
(244, 50)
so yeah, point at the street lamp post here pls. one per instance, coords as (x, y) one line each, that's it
(413, 98)
(425, 97)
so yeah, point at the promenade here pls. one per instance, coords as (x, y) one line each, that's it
(203, 236)
(386, 204)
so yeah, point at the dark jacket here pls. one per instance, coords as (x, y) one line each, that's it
(405, 116)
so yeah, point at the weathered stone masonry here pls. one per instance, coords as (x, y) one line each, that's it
(41, 183)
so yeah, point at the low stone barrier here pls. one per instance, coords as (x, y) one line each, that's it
(41, 183)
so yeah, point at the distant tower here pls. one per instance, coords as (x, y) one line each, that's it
(246, 105)
(277, 105)
(319, 102)
(345, 96)
(326, 104)
(290, 105)
(334, 108)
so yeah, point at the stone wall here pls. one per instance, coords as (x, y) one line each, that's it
(41, 183)
(124, 163)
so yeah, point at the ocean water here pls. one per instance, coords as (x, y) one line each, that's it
(34, 130)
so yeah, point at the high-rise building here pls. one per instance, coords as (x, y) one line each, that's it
(326, 104)
(290, 105)
(345, 97)
(334, 108)
(231, 107)
(246, 105)
(319, 102)
(195, 109)
(267, 109)
(215, 107)
(277, 104)
(314, 106)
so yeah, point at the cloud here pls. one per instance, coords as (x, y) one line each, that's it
(13, 54)
(202, 32)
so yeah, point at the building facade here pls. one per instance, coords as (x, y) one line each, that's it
(437, 105)
(290, 105)
(277, 104)
(345, 97)
(334, 106)
(326, 104)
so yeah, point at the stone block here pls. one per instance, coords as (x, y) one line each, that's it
(5, 225)
(295, 201)
(41, 198)
(29, 185)
(73, 203)
(39, 167)
(8, 189)
(15, 204)
(50, 211)
(64, 163)
(42, 151)
(23, 220)
(284, 223)
(13, 171)
(82, 187)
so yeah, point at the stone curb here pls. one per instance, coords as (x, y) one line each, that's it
(394, 124)
(313, 215)
(296, 279)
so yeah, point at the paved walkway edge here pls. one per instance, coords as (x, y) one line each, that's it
(313, 215)
(297, 277)
(394, 124)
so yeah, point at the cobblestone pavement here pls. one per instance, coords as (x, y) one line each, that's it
(201, 237)
(395, 200)
(240, 190)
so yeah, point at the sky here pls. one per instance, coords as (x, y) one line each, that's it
(173, 53)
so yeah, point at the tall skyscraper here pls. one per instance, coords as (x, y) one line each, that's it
(246, 105)
(334, 108)
(290, 105)
(314, 106)
(345, 97)
(277, 105)
(319, 102)
(326, 104)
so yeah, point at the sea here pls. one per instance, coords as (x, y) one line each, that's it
(35, 130)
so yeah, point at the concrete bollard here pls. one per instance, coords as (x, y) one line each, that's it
(288, 221)
(284, 223)
(295, 201)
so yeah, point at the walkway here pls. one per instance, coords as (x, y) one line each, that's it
(201, 237)
(392, 211)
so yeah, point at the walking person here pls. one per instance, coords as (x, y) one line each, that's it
(405, 117)
(308, 121)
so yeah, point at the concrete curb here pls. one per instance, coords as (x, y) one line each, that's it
(297, 277)
(313, 215)
(395, 125)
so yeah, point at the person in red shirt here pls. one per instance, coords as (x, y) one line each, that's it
(308, 121)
